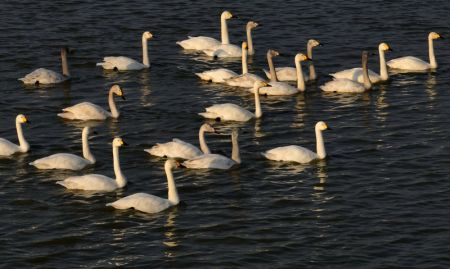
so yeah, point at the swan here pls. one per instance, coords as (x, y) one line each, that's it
(357, 73)
(180, 149)
(67, 160)
(248, 28)
(96, 182)
(7, 148)
(246, 80)
(232, 112)
(90, 111)
(290, 73)
(344, 85)
(217, 161)
(411, 64)
(282, 88)
(148, 203)
(204, 42)
(122, 63)
(46, 76)
(299, 154)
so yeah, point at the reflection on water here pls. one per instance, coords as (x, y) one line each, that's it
(146, 100)
(171, 240)
(431, 86)
(322, 175)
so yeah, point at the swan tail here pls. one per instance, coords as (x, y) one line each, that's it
(155, 150)
(62, 183)
(203, 76)
(66, 115)
(208, 115)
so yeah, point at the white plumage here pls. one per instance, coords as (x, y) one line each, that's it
(356, 74)
(209, 161)
(343, 85)
(199, 43)
(227, 112)
(224, 51)
(246, 80)
(286, 74)
(219, 75)
(8, 148)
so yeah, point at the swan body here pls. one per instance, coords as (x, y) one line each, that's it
(66, 160)
(219, 75)
(232, 112)
(300, 154)
(96, 182)
(277, 88)
(200, 43)
(8, 148)
(89, 111)
(46, 76)
(180, 149)
(224, 51)
(122, 63)
(411, 64)
(148, 203)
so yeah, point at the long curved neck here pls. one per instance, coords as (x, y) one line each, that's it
(235, 155)
(201, 138)
(366, 79)
(172, 195)
(433, 62)
(244, 61)
(23, 144)
(383, 68)
(65, 65)
(312, 70)
(320, 145)
(120, 178)
(300, 79)
(273, 73)
(251, 51)
(258, 110)
(145, 59)
(86, 150)
(112, 105)
(224, 31)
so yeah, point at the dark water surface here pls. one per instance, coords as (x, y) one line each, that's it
(380, 200)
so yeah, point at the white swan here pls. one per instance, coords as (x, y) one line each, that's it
(46, 76)
(204, 42)
(90, 111)
(411, 64)
(290, 73)
(99, 183)
(7, 148)
(300, 154)
(356, 74)
(282, 88)
(148, 203)
(180, 149)
(217, 161)
(232, 112)
(122, 63)
(344, 85)
(67, 160)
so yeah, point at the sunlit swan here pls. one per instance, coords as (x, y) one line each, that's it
(217, 161)
(410, 63)
(148, 203)
(7, 148)
(90, 111)
(203, 42)
(246, 80)
(290, 73)
(67, 160)
(357, 73)
(250, 26)
(232, 112)
(343, 85)
(282, 88)
(99, 183)
(180, 149)
(45, 76)
(300, 154)
(123, 63)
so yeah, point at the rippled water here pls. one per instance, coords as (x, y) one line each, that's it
(380, 200)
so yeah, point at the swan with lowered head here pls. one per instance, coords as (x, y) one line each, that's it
(232, 112)
(344, 85)
(46, 76)
(66, 160)
(217, 161)
(356, 74)
(7, 148)
(148, 203)
(182, 150)
(90, 111)
(122, 63)
(99, 183)
(299, 154)
(412, 64)
(290, 73)
(204, 42)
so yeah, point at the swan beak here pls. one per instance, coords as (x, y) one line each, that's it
(95, 133)
(124, 143)
(441, 37)
(123, 97)
(308, 59)
(178, 164)
(390, 49)
(320, 45)
(28, 121)
(328, 128)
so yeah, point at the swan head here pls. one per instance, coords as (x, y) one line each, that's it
(226, 15)
(272, 53)
(171, 164)
(235, 134)
(22, 119)
(252, 24)
(244, 45)
(118, 142)
(147, 35)
(300, 57)
(384, 47)
(434, 35)
(117, 90)
(314, 43)
(322, 126)
(208, 128)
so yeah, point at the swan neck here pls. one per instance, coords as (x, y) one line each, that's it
(112, 105)
(235, 155)
(258, 110)
(251, 51)
(366, 79)
(121, 180)
(64, 64)
(300, 78)
(383, 67)
(273, 73)
(320, 145)
(203, 146)
(312, 70)
(23, 144)
(86, 150)
(224, 31)
(433, 62)
(145, 59)
(244, 61)
(172, 194)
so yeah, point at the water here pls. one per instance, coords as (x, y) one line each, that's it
(380, 200)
